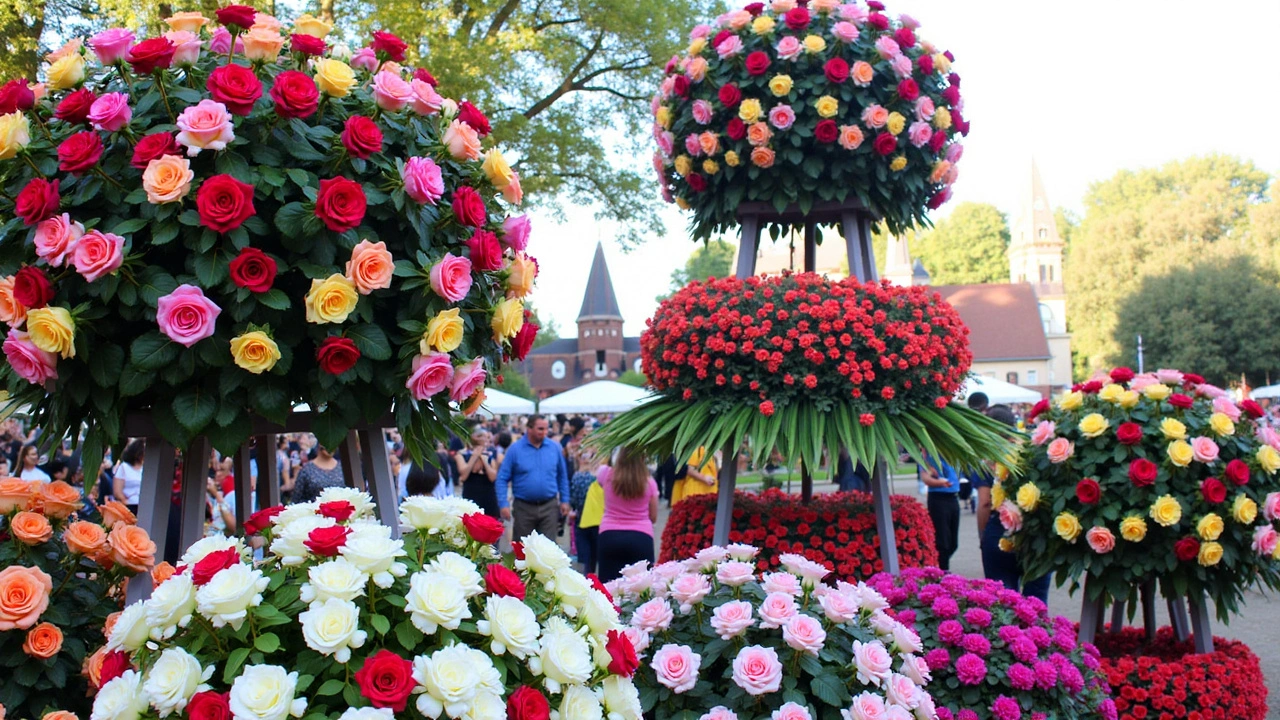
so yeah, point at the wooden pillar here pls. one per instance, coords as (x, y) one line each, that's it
(724, 497)
(350, 450)
(1147, 593)
(806, 483)
(1178, 618)
(1091, 613)
(195, 480)
(377, 467)
(268, 490)
(1201, 628)
(153, 507)
(1117, 617)
(243, 463)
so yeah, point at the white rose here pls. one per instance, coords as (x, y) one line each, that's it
(361, 501)
(882, 623)
(448, 108)
(227, 597)
(370, 548)
(434, 600)
(130, 631)
(870, 599)
(266, 692)
(490, 678)
(289, 545)
(429, 514)
(450, 681)
(120, 699)
(174, 678)
(600, 614)
(292, 513)
(572, 589)
(580, 703)
(564, 656)
(906, 639)
(542, 556)
(338, 578)
(170, 606)
(622, 699)
(512, 625)
(461, 570)
(488, 706)
(368, 713)
(340, 51)
(202, 547)
(332, 628)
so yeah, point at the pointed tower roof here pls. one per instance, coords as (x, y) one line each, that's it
(599, 301)
(897, 261)
(1035, 215)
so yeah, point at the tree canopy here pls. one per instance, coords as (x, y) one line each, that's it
(712, 259)
(968, 246)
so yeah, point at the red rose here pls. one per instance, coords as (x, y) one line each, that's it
(908, 90)
(486, 252)
(224, 203)
(798, 18)
(482, 528)
(253, 270)
(339, 510)
(1252, 409)
(836, 70)
(622, 654)
(386, 679)
(951, 95)
(155, 145)
(599, 586)
(424, 76)
(361, 136)
(878, 21)
(905, 37)
(925, 63)
(757, 63)
(341, 204)
(755, 8)
(502, 581)
(337, 355)
(697, 183)
(79, 152)
(15, 96)
(730, 95)
(720, 37)
(295, 94)
(527, 703)
(1088, 491)
(74, 108)
(1121, 375)
(1129, 433)
(209, 705)
(1181, 401)
(114, 663)
(1091, 388)
(260, 520)
(1039, 408)
(736, 129)
(472, 116)
(1187, 549)
(826, 131)
(522, 343)
(151, 55)
(1237, 470)
(1142, 472)
(327, 541)
(38, 200)
(31, 288)
(213, 563)
(305, 45)
(236, 87)
(886, 143)
(1213, 490)
(468, 207)
(680, 86)
(937, 140)
(387, 44)
(240, 16)
(517, 549)
(1192, 379)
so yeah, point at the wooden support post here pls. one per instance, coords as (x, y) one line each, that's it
(724, 496)
(881, 488)
(1178, 618)
(243, 463)
(1201, 629)
(154, 506)
(195, 480)
(810, 247)
(806, 483)
(351, 474)
(1091, 612)
(377, 467)
(1117, 617)
(1149, 623)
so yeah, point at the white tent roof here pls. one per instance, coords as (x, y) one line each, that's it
(601, 396)
(497, 402)
(998, 391)
(1262, 393)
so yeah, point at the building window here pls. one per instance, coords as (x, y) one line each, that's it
(601, 368)
(1033, 377)
(638, 365)
(1044, 233)
(1044, 273)
(557, 370)
(613, 333)
(1011, 377)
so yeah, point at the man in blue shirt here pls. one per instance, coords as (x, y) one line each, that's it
(944, 507)
(534, 468)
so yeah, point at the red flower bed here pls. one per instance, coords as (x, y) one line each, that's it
(839, 528)
(1166, 679)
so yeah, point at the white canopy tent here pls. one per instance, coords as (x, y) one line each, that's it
(601, 396)
(998, 391)
(497, 402)
(1264, 393)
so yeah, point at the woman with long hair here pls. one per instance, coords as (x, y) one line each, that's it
(630, 507)
(126, 480)
(29, 464)
(477, 470)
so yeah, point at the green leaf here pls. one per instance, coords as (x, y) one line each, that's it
(274, 299)
(234, 662)
(194, 408)
(163, 234)
(108, 361)
(128, 227)
(233, 164)
(371, 341)
(829, 689)
(330, 687)
(267, 643)
(134, 381)
(292, 218)
(380, 623)
(152, 351)
(210, 269)
(408, 634)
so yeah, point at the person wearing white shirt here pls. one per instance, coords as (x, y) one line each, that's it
(29, 464)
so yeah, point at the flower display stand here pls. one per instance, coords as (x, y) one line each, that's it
(362, 455)
(1196, 627)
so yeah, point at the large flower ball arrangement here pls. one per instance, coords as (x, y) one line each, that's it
(994, 654)
(60, 579)
(800, 362)
(794, 102)
(221, 221)
(1154, 477)
(722, 642)
(342, 621)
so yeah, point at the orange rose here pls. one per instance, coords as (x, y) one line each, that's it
(24, 594)
(862, 74)
(85, 538)
(60, 499)
(114, 511)
(43, 641)
(12, 313)
(523, 272)
(370, 267)
(758, 134)
(161, 572)
(31, 528)
(110, 623)
(132, 548)
(91, 669)
(60, 715)
(762, 157)
(15, 494)
(167, 179)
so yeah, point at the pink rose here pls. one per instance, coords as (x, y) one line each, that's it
(111, 45)
(110, 112)
(205, 126)
(735, 573)
(451, 277)
(390, 91)
(700, 30)
(887, 48)
(919, 133)
(653, 616)
(742, 551)
(902, 690)
(639, 638)
(1204, 449)
(1044, 432)
(925, 108)
(1169, 377)
(1212, 392)
(872, 661)
(868, 597)
(56, 238)
(676, 666)
(707, 557)
(875, 116)
(1010, 516)
(789, 48)
(696, 70)
(719, 712)
(732, 619)
(467, 380)
(1264, 536)
(186, 45)
(462, 141)
(691, 144)
(220, 42)
(1227, 407)
(738, 19)
(1060, 450)
(689, 590)
(954, 153)
(845, 32)
(30, 362)
(1271, 507)
(867, 706)
(804, 633)
(838, 606)
(901, 66)
(782, 117)
(791, 711)
(186, 315)
(423, 180)
(729, 47)
(853, 13)
(702, 112)
(781, 582)
(777, 609)
(425, 100)
(431, 374)
(809, 572)
(98, 254)
(905, 639)
(756, 669)
(515, 232)
(1100, 539)
(365, 59)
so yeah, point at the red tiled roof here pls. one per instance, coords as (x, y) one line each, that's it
(1003, 319)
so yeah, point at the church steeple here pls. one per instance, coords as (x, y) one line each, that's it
(601, 347)
(599, 301)
(1035, 248)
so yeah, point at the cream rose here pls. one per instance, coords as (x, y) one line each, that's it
(170, 606)
(130, 631)
(175, 677)
(544, 557)
(288, 544)
(120, 699)
(563, 657)
(338, 578)
(580, 703)
(512, 625)
(332, 628)
(621, 698)
(600, 614)
(429, 514)
(202, 547)
(227, 597)
(460, 570)
(372, 550)
(450, 679)
(266, 692)
(435, 600)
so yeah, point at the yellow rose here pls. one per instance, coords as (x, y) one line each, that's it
(167, 179)
(1028, 497)
(523, 270)
(334, 77)
(1067, 526)
(66, 72)
(1111, 392)
(663, 117)
(941, 64)
(1210, 554)
(189, 21)
(697, 46)
(731, 159)
(1166, 510)
(827, 106)
(897, 123)
(1071, 400)
(495, 168)
(1093, 425)
(1157, 392)
(1133, 528)
(52, 330)
(710, 167)
(444, 332)
(762, 25)
(1006, 544)
(942, 118)
(1221, 424)
(313, 26)
(508, 318)
(997, 495)
(780, 85)
(1243, 509)
(898, 163)
(255, 351)
(1210, 527)
(1180, 453)
(1129, 400)
(682, 203)
(331, 300)
(684, 165)
(749, 110)
(1173, 429)
(814, 44)
(1268, 459)
(15, 134)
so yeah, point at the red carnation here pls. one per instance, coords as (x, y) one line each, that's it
(798, 18)
(730, 95)
(522, 343)
(153, 146)
(1192, 379)
(1129, 433)
(486, 251)
(1039, 408)
(736, 129)
(361, 136)
(680, 86)
(79, 152)
(424, 76)
(16, 96)
(826, 131)
(836, 70)
(502, 581)
(1142, 472)
(295, 94)
(341, 204)
(306, 45)
(867, 419)
(224, 203)
(482, 528)
(766, 408)
(234, 86)
(886, 143)
(150, 55)
(1088, 491)
(908, 90)
(1121, 375)
(74, 108)
(1252, 409)
(757, 63)
(259, 521)
(1237, 471)
(1213, 490)
(468, 207)
(327, 541)
(209, 705)
(385, 680)
(1187, 549)
(697, 182)
(1181, 401)
(38, 200)
(337, 355)
(622, 654)
(387, 45)
(925, 64)
(239, 16)
(951, 95)
(472, 116)
(253, 270)
(212, 564)
(875, 5)
(905, 37)
(527, 703)
(31, 288)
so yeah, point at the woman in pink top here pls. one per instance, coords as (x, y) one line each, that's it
(630, 507)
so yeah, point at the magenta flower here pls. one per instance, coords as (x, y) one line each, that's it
(1006, 708)
(976, 644)
(1046, 675)
(1021, 677)
(972, 670)
(977, 617)
(950, 632)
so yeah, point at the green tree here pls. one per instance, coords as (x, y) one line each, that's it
(633, 378)
(514, 382)
(968, 246)
(1197, 319)
(711, 259)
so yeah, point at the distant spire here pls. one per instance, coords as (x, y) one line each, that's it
(1035, 224)
(920, 276)
(599, 301)
(897, 262)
